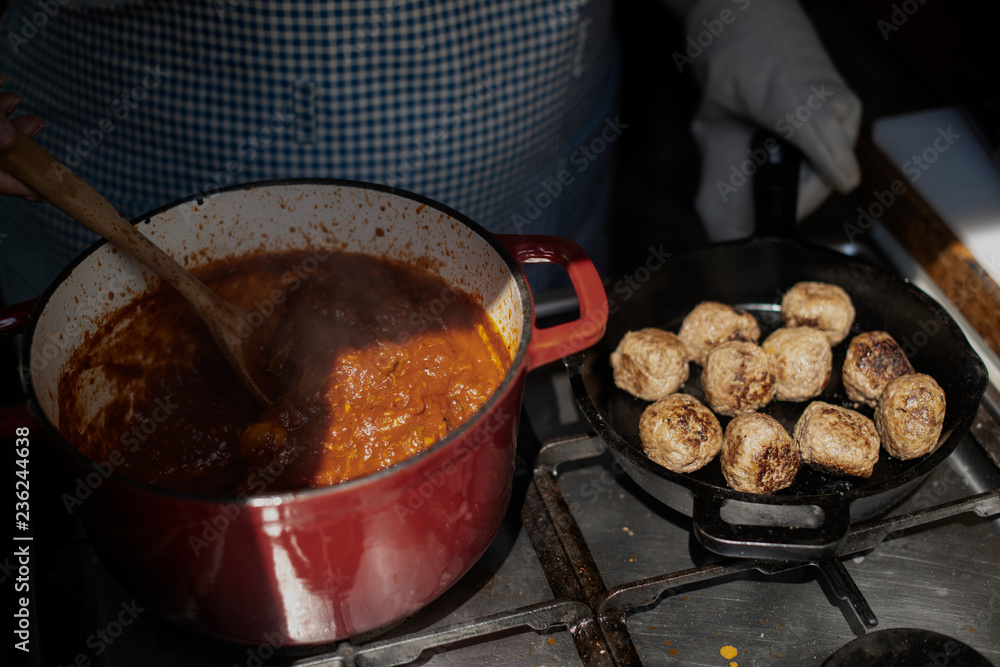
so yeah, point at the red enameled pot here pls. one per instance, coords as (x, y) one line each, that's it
(321, 564)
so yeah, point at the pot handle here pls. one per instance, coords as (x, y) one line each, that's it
(793, 531)
(562, 340)
(13, 319)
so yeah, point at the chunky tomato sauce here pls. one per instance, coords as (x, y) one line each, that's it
(373, 362)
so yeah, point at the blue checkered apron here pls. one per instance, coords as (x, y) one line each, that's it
(477, 104)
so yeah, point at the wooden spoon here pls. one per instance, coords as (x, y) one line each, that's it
(50, 178)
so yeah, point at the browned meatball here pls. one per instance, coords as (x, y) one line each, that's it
(737, 378)
(836, 440)
(801, 360)
(758, 456)
(820, 306)
(650, 363)
(873, 359)
(910, 415)
(711, 323)
(680, 433)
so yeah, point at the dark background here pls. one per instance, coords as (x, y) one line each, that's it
(658, 163)
(658, 171)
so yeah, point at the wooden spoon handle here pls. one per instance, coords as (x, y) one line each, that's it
(50, 178)
(56, 182)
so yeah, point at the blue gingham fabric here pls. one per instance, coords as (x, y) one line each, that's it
(478, 104)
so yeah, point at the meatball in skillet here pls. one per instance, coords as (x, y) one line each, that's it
(873, 359)
(910, 415)
(819, 306)
(711, 323)
(680, 433)
(737, 378)
(836, 440)
(801, 360)
(650, 363)
(758, 456)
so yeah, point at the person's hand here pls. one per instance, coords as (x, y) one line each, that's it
(760, 63)
(30, 125)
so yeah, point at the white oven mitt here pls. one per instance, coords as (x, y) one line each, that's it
(761, 64)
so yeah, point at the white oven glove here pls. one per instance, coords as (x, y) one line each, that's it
(761, 64)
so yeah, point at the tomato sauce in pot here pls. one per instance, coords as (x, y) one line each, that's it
(373, 361)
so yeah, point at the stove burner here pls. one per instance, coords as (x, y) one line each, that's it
(911, 647)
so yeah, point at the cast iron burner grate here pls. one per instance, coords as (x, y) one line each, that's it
(560, 550)
(596, 616)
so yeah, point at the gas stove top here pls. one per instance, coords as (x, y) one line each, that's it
(588, 569)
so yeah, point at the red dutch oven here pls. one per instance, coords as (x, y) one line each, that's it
(316, 565)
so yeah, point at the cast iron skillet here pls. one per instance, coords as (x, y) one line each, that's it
(810, 519)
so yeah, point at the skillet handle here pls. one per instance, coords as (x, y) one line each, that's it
(795, 531)
(562, 340)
